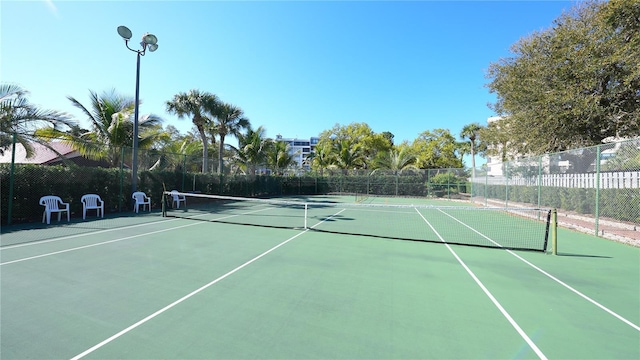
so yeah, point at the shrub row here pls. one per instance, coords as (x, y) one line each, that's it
(114, 186)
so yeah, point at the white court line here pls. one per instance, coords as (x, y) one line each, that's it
(135, 325)
(121, 239)
(504, 312)
(80, 235)
(611, 312)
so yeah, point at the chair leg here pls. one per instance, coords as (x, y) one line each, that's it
(84, 213)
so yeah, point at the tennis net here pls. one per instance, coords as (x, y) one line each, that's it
(360, 197)
(508, 228)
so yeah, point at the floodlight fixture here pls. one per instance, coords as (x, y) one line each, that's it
(124, 32)
(150, 42)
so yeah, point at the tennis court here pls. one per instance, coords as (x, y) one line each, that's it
(255, 280)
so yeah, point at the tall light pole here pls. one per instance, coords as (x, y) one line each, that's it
(149, 42)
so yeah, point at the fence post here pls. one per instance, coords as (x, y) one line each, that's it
(486, 185)
(506, 185)
(396, 184)
(539, 179)
(449, 184)
(597, 214)
(11, 178)
(121, 179)
(184, 170)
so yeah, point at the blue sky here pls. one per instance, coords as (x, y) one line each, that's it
(295, 67)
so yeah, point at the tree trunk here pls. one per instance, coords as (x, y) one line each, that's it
(220, 159)
(473, 161)
(205, 149)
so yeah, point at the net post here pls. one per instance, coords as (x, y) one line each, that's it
(163, 199)
(305, 215)
(554, 232)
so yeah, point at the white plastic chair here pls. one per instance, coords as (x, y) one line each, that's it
(53, 204)
(140, 198)
(92, 202)
(177, 199)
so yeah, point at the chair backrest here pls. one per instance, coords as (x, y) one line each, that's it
(139, 196)
(91, 199)
(50, 202)
(176, 195)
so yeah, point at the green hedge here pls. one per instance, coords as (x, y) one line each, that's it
(114, 186)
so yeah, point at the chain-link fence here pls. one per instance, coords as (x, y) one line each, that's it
(596, 189)
(58, 169)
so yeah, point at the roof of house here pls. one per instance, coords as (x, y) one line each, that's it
(41, 155)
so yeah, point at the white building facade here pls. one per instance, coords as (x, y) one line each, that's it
(300, 149)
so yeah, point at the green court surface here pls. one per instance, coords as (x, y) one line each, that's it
(153, 287)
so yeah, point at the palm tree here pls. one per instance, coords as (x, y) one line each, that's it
(322, 157)
(470, 132)
(396, 160)
(110, 116)
(252, 149)
(348, 155)
(19, 117)
(180, 153)
(278, 157)
(196, 104)
(230, 120)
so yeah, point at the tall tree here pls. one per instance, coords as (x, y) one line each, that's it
(180, 151)
(572, 85)
(230, 120)
(435, 150)
(322, 157)
(348, 154)
(397, 160)
(111, 119)
(197, 105)
(471, 132)
(279, 158)
(252, 149)
(19, 116)
(361, 135)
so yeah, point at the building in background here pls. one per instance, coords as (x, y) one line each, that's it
(494, 163)
(300, 149)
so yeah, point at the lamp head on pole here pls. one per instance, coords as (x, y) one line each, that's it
(149, 41)
(124, 32)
